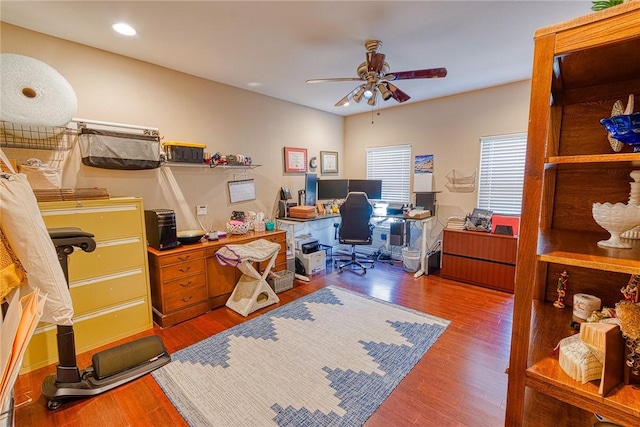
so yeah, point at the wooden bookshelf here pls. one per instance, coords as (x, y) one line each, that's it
(583, 66)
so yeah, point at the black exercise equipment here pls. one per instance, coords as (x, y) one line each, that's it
(110, 368)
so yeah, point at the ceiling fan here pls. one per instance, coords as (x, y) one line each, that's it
(374, 72)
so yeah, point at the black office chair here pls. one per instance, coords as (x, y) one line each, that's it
(355, 228)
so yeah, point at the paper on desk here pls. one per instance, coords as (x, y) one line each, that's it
(17, 328)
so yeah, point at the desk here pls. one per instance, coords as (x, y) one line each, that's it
(292, 222)
(424, 269)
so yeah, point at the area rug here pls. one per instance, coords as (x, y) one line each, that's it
(327, 359)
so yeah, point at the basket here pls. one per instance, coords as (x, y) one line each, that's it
(238, 229)
(282, 283)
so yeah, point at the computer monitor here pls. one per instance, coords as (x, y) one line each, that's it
(373, 187)
(330, 189)
(310, 189)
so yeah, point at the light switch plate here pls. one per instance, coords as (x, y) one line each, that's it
(201, 209)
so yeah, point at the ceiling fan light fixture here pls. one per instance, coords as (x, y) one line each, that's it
(358, 96)
(369, 91)
(385, 93)
(372, 100)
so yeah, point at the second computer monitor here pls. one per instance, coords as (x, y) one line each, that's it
(373, 187)
(330, 189)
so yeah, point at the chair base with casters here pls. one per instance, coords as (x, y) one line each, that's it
(354, 263)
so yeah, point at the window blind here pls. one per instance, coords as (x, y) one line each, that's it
(502, 160)
(391, 164)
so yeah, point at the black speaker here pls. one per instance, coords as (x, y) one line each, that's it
(427, 201)
(282, 208)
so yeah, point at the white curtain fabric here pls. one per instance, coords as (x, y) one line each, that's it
(22, 224)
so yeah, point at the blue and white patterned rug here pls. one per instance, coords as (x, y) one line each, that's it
(327, 359)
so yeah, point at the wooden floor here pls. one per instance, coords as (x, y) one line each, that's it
(461, 380)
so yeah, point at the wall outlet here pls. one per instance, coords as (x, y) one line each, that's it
(201, 209)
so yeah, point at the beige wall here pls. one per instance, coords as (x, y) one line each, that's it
(117, 89)
(449, 128)
(113, 88)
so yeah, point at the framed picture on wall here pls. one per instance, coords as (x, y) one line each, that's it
(295, 159)
(329, 161)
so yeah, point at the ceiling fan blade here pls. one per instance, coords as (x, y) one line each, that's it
(397, 94)
(348, 97)
(337, 79)
(429, 73)
(375, 61)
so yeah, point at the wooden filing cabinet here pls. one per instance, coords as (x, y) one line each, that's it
(480, 258)
(188, 281)
(110, 286)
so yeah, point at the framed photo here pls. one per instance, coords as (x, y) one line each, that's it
(329, 161)
(295, 159)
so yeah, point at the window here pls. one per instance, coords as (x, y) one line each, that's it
(501, 177)
(393, 166)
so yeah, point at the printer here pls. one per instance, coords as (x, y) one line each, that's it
(308, 245)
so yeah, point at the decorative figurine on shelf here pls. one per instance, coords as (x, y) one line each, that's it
(561, 289)
(630, 291)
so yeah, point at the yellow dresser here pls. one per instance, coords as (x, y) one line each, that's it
(109, 286)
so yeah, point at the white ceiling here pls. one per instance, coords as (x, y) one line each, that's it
(273, 47)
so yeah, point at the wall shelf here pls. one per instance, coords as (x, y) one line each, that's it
(204, 165)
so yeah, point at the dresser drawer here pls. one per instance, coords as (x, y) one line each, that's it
(181, 257)
(183, 284)
(109, 257)
(177, 271)
(104, 222)
(177, 300)
(95, 293)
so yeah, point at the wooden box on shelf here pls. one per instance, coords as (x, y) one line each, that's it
(583, 66)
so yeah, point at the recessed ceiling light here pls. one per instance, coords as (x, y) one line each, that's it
(124, 29)
(254, 84)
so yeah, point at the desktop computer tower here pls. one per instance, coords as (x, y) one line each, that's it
(161, 228)
(397, 233)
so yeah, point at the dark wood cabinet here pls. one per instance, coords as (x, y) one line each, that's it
(479, 258)
(189, 281)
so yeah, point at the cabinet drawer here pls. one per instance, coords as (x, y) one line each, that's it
(91, 331)
(109, 257)
(484, 273)
(104, 222)
(181, 257)
(479, 245)
(177, 271)
(93, 294)
(183, 284)
(177, 300)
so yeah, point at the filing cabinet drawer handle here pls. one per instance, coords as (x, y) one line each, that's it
(184, 258)
(186, 285)
(188, 299)
(185, 270)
